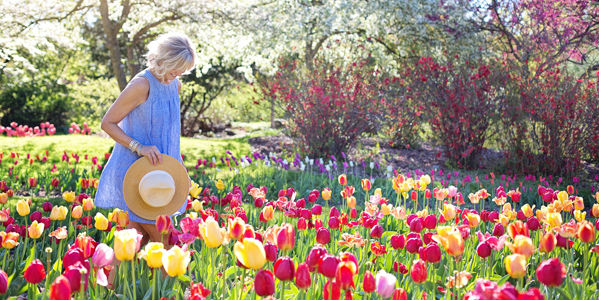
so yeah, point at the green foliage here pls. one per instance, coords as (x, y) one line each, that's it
(91, 100)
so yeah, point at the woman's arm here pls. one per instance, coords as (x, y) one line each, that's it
(133, 95)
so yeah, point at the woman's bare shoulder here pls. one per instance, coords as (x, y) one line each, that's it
(138, 89)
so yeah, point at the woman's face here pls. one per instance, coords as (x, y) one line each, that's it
(171, 75)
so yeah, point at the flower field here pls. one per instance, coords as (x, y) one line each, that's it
(258, 226)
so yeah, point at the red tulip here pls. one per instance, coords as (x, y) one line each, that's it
(413, 244)
(314, 257)
(368, 284)
(271, 251)
(302, 224)
(399, 294)
(586, 232)
(284, 268)
(73, 273)
(317, 210)
(498, 230)
(344, 275)
(342, 179)
(398, 241)
(47, 206)
(432, 253)
(60, 289)
(36, 216)
(302, 276)
(73, 256)
(328, 265)
(376, 232)
(323, 236)
(264, 283)
(163, 224)
(334, 222)
(3, 282)
(35, 272)
(286, 237)
(418, 272)
(551, 272)
(483, 250)
(430, 222)
(331, 287)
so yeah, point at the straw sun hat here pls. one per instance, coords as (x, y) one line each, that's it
(151, 191)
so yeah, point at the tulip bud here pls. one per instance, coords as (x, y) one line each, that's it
(103, 255)
(586, 232)
(498, 230)
(302, 276)
(35, 272)
(323, 236)
(163, 224)
(483, 250)
(271, 252)
(264, 283)
(328, 265)
(284, 268)
(314, 257)
(515, 265)
(385, 284)
(368, 284)
(551, 272)
(376, 232)
(547, 243)
(400, 294)
(342, 179)
(60, 289)
(418, 272)
(3, 282)
(286, 237)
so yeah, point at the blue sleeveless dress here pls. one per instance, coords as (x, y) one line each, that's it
(155, 122)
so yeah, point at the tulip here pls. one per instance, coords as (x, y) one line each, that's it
(126, 244)
(323, 236)
(451, 239)
(551, 272)
(267, 213)
(473, 220)
(22, 208)
(264, 283)
(498, 230)
(35, 272)
(284, 268)
(236, 228)
(483, 250)
(376, 232)
(35, 230)
(175, 261)
(366, 185)
(418, 272)
(448, 211)
(211, 233)
(302, 276)
(251, 253)
(368, 284)
(60, 289)
(101, 221)
(314, 257)
(163, 224)
(554, 220)
(331, 291)
(342, 179)
(58, 213)
(385, 283)
(77, 212)
(74, 273)
(286, 237)
(351, 202)
(153, 253)
(69, 196)
(522, 245)
(220, 185)
(103, 255)
(547, 242)
(398, 241)
(326, 194)
(344, 275)
(586, 232)
(3, 198)
(3, 282)
(515, 265)
(9, 239)
(271, 252)
(328, 265)
(400, 294)
(432, 253)
(72, 257)
(88, 204)
(120, 217)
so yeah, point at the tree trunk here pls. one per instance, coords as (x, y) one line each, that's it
(112, 44)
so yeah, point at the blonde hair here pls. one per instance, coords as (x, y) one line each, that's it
(172, 51)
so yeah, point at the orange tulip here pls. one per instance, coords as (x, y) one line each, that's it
(586, 232)
(342, 179)
(236, 228)
(366, 185)
(9, 240)
(517, 228)
(326, 194)
(522, 245)
(351, 202)
(449, 211)
(451, 239)
(267, 212)
(547, 242)
(473, 220)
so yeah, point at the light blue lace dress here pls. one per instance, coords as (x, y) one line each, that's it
(155, 122)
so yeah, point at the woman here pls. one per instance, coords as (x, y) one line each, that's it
(145, 121)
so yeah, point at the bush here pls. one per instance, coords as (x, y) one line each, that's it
(403, 115)
(459, 102)
(330, 107)
(91, 100)
(550, 123)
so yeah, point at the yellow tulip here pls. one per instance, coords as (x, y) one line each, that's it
(3, 198)
(77, 212)
(515, 265)
(58, 213)
(68, 196)
(119, 216)
(351, 202)
(562, 196)
(250, 253)
(326, 194)
(22, 208)
(527, 210)
(449, 211)
(451, 239)
(175, 261)
(386, 209)
(35, 230)
(595, 210)
(195, 190)
(378, 192)
(578, 203)
(88, 204)
(554, 220)
(153, 253)
(211, 233)
(425, 179)
(126, 244)
(9, 240)
(220, 185)
(101, 221)
(579, 216)
(196, 205)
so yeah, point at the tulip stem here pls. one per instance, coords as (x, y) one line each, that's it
(283, 291)
(133, 284)
(154, 284)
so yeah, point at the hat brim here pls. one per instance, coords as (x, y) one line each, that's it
(131, 187)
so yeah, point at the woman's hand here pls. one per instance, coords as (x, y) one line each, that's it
(151, 153)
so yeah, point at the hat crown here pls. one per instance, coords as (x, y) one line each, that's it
(157, 188)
